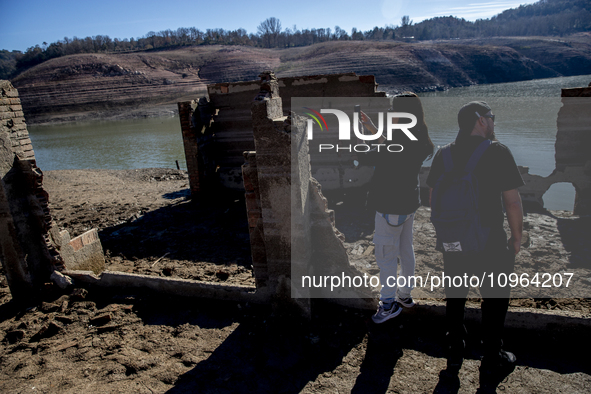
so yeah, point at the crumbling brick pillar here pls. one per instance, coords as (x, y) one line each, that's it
(273, 168)
(199, 140)
(573, 141)
(27, 255)
(255, 219)
(292, 230)
(190, 144)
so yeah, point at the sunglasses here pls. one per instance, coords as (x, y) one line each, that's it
(486, 116)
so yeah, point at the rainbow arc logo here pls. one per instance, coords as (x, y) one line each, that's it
(315, 116)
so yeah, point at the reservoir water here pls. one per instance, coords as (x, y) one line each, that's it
(526, 114)
(526, 122)
(113, 145)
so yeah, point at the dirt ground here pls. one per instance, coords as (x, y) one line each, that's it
(148, 225)
(77, 341)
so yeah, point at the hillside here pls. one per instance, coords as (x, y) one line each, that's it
(135, 84)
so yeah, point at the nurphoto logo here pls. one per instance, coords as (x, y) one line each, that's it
(391, 120)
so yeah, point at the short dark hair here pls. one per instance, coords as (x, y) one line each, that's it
(467, 116)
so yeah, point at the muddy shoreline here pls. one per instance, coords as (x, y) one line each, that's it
(157, 111)
(149, 225)
(131, 341)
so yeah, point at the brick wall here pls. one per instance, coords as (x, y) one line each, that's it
(190, 144)
(27, 254)
(255, 219)
(13, 122)
(231, 131)
(292, 230)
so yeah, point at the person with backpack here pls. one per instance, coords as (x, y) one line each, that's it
(470, 181)
(394, 195)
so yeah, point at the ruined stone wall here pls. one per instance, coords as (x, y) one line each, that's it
(273, 187)
(13, 128)
(255, 219)
(189, 133)
(573, 137)
(290, 224)
(26, 252)
(221, 140)
(573, 142)
(573, 161)
(30, 244)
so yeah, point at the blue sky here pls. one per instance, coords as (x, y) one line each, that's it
(26, 23)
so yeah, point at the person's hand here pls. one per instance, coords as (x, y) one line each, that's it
(367, 123)
(514, 244)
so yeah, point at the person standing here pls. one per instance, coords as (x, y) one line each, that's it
(394, 195)
(497, 179)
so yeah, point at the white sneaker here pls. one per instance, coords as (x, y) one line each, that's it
(385, 313)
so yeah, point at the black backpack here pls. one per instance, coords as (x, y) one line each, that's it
(454, 205)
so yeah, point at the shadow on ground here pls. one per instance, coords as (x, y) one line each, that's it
(199, 230)
(273, 353)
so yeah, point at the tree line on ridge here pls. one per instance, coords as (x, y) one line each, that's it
(544, 18)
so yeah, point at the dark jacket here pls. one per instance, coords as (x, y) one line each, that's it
(394, 188)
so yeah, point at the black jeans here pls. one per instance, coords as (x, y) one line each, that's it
(495, 259)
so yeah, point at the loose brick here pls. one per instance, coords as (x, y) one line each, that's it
(101, 319)
(48, 307)
(49, 330)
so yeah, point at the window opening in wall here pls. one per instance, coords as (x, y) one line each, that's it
(560, 197)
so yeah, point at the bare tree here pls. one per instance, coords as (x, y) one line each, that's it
(405, 26)
(269, 30)
(405, 21)
(340, 34)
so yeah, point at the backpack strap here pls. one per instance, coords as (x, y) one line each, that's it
(401, 219)
(447, 161)
(478, 152)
